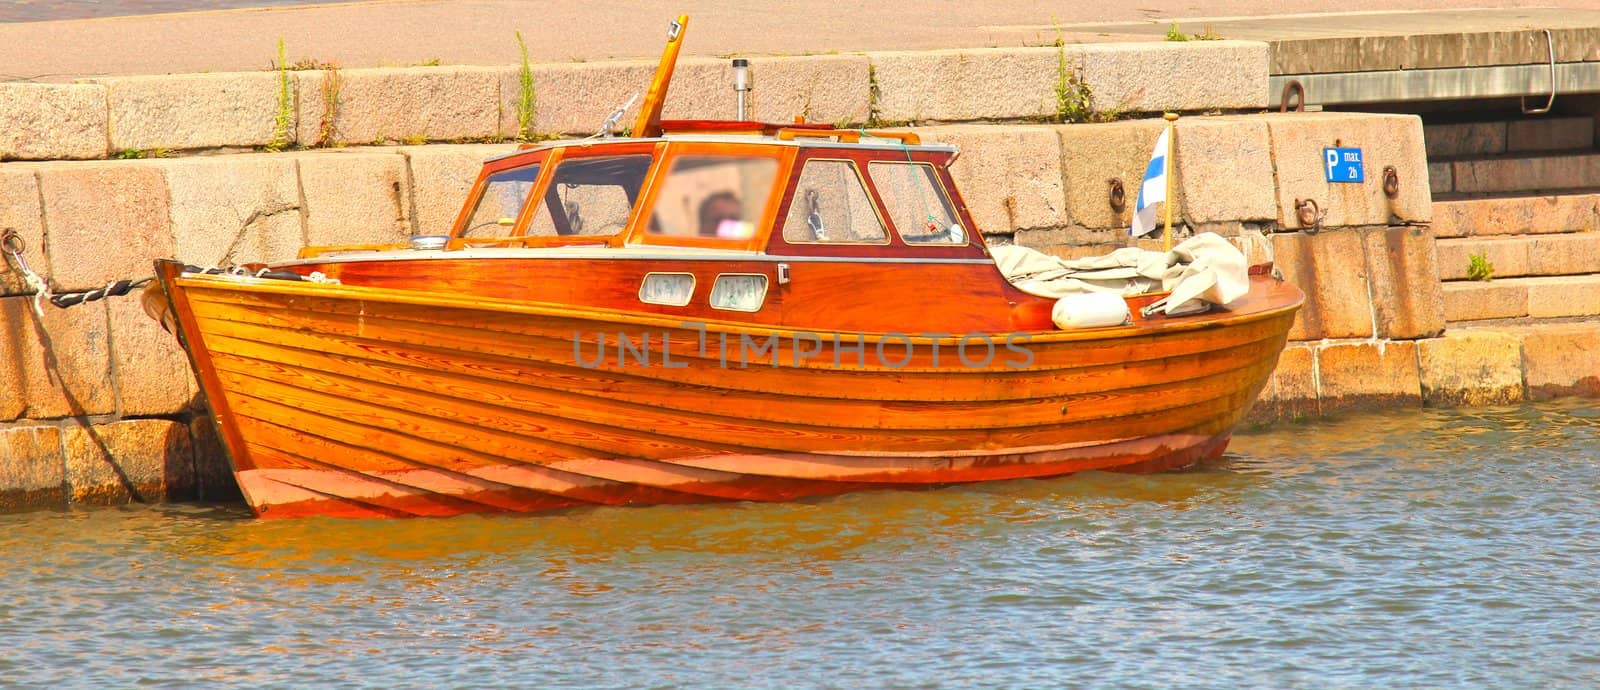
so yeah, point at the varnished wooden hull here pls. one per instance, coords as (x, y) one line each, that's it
(360, 401)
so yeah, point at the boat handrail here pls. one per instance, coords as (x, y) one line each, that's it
(848, 136)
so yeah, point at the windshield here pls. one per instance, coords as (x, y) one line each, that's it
(590, 195)
(503, 196)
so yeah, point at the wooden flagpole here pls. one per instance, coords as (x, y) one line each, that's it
(1171, 172)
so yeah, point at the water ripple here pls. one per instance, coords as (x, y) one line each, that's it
(1415, 549)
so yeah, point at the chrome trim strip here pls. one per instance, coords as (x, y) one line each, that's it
(732, 139)
(629, 254)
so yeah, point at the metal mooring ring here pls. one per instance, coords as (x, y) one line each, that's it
(11, 242)
(1309, 214)
(1391, 182)
(1119, 198)
(1295, 88)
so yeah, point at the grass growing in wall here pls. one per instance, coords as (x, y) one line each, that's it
(1073, 95)
(332, 88)
(527, 102)
(135, 154)
(1479, 268)
(1173, 34)
(284, 119)
(874, 96)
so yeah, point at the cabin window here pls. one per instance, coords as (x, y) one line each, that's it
(590, 196)
(714, 196)
(670, 289)
(831, 205)
(739, 291)
(916, 203)
(504, 193)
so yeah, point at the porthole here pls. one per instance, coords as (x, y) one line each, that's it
(669, 289)
(739, 292)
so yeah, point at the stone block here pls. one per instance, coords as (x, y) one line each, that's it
(820, 88)
(230, 210)
(1331, 268)
(65, 360)
(1465, 139)
(151, 370)
(1517, 215)
(1073, 242)
(1291, 392)
(13, 390)
(213, 471)
(1371, 50)
(1010, 177)
(32, 475)
(354, 197)
(1385, 140)
(193, 111)
(1475, 301)
(394, 104)
(143, 460)
(1253, 243)
(1561, 359)
(1507, 256)
(1403, 272)
(52, 121)
(1554, 297)
(1565, 254)
(575, 98)
(1553, 134)
(19, 187)
(1367, 374)
(440, 179)
(104, 221)
(1528, 173)
(1224, 170)
(1092, 155)
(972, 84)
(1158, 77)
(1471, 367)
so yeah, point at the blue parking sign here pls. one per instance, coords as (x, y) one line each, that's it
(1343, 164)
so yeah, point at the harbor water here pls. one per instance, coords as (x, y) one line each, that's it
(1418, 548)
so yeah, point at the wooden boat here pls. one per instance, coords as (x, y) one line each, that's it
(705, 311)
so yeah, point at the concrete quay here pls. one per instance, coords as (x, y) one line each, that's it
(97, 404)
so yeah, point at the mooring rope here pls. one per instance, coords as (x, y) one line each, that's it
(12, 244)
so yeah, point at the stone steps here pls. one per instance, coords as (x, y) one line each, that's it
(1516, 215)
(1522, 255)
(1470, 139)
(1515, 173)
(1540, 297)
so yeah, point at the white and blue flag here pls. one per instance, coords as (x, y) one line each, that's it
(1152, 191)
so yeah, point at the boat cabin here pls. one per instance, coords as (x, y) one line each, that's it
(803, 191)
(805, 226)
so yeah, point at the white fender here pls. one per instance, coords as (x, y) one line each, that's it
(1090, 310)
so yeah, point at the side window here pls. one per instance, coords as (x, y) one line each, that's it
(714, 196)
(590, 196)
(504, 193)
(916, 203)
(831, 205)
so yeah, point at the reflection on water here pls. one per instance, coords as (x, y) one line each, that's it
(1418, 548)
